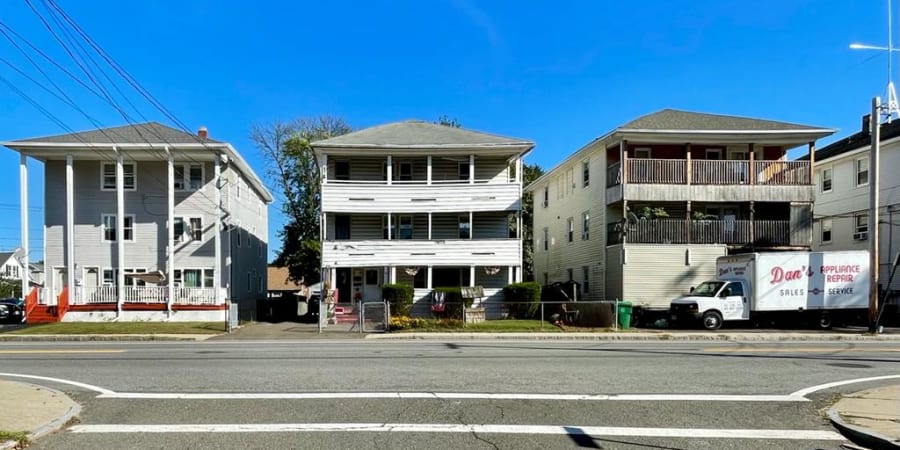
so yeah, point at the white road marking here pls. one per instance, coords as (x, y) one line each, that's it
(691, 433)
(90, 387)
(448, 396)
(806, 391)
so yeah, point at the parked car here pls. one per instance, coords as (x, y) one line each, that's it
(12, 310)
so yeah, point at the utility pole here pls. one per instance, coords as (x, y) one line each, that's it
(873, 214)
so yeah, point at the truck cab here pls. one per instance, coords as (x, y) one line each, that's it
(712, 302)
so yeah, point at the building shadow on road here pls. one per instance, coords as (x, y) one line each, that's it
(584, 440)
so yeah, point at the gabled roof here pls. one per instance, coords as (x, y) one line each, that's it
(673, 119)
(419, 134)
(855, 141)
(4, 257)
(142, 133)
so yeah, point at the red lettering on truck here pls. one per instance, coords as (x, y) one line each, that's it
(779, 274)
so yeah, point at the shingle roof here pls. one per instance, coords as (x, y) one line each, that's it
(142, 133)
(673, 119)
(4, 256)
(855, 141)
(418, 134)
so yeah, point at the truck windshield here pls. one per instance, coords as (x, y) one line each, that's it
(707, 289)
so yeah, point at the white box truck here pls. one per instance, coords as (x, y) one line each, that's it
(824, 286)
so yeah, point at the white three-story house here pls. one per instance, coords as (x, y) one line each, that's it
(145, 222)
(420, 204)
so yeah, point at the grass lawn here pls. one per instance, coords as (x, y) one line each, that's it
(123, 328)
(19, 437)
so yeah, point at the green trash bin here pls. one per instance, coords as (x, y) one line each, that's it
(624, 312)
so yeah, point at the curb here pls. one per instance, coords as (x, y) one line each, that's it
(633, 337)
(861, 436)
(49, 427)
(99, 337)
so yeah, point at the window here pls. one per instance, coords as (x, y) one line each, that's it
(108, 176)
(108, 227)
(240, 233)
(189, 277)
(134, 282)
(862, 171)
(465, 230)
(570, 274)
(586, 280)
(259, 285)
(209, 278)
(405, 227)
(109, 277)
(179, 229)
(570, 229)
(585, 173)
(585, 225)
(341, 170)
(826, 230)
(250, 276)
(188, 177)
(642, 153)
(546, 201)
(463, 171)
(862, 223)
(385, 230)
(196, 228)
(714, 153)
(342, 227)
(826, 179)
(237, 188)
(546, 239)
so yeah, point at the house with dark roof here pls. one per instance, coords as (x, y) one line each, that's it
(145, 222)
(11, 267)
(421, 204)
(841, 209)
(642, 212)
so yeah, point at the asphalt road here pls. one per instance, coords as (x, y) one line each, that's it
(257, 394)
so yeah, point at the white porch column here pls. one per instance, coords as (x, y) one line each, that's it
(518, 274)
(393, 278)
(471, 226)
(389, 230)
(429, 225)
(170, 231)
(390, 170)
(429, 273)
(509, 275)
(70, 229)
(428, 171)
(472, 169)
(120, 230)
(519, 167)
(324, 173)
(471, 275)
(23, 220)
(217, 198)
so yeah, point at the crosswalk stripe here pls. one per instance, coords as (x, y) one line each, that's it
(694, 433)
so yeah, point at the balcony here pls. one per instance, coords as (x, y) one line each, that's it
(709, 180)
(761, 233)
(106, 295)
(410, 252)
(413, 197)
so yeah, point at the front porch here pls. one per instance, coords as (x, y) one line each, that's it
(188, 304)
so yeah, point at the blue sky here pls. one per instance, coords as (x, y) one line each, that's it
(560, 73)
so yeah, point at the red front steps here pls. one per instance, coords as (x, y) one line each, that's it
(42, 314)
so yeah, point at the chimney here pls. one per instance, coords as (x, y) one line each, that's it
(201, 133)
(867, 124)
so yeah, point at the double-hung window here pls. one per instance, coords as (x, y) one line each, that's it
(826, 230)
(465, 228)
(585, 225)
(827, 175)
(405, 227)
(108, 176)
(196, 228)
(862, 171)
(585, 173)
(188, 177)
(570, 229)
(108, 228)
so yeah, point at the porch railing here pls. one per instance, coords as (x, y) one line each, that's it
(195, 296)
(146, 294)
(91, 295)
(710, 172)
(683, 231)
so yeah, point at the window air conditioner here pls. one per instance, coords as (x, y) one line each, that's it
(861, 236)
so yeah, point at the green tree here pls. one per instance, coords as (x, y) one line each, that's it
(530, 172)
(293, 174)
(448, 121)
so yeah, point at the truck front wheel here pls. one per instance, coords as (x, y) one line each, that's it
(712, 320)
(825, 321)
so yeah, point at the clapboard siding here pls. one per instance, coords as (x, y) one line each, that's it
(402, 198)
(493, 252)
(652, 275)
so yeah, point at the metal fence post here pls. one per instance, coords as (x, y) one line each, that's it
(616, 315)
(542, 315)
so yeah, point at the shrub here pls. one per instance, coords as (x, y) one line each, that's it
(522, 299)
(400, 297)
(399, 323)
(454, 301)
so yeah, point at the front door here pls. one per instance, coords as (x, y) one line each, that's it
(371, 288)
(343, 285)
(91, 277)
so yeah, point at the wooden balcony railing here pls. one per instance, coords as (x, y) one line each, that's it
(771, 233)
(710, 172)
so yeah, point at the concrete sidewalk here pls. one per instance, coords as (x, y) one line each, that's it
(870, 418)
(104, 337)
(36, 410)
(645, 335)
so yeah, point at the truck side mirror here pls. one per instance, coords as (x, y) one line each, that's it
(692, 290)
